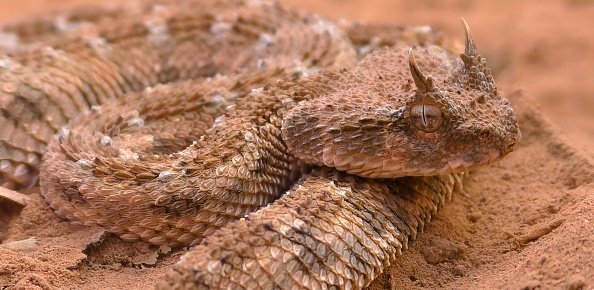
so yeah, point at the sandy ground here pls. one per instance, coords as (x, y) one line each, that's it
(525, 223)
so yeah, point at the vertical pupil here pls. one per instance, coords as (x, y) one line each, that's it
(424, 116)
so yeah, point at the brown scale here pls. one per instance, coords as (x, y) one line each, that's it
(332, 231)
(338, 231)
(41, 89)
(329, 230)
(177, 164)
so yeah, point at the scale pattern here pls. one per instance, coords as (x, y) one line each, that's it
(292, 152)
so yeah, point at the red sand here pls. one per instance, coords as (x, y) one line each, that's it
(525, 223)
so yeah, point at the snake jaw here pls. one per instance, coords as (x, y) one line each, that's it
(463, 163)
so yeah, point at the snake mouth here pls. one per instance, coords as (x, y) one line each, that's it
(466, 162)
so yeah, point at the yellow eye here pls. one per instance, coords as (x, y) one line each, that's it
(427, 118)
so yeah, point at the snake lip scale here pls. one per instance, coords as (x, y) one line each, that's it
(263, 136)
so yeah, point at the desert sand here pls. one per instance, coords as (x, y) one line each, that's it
(524, 223)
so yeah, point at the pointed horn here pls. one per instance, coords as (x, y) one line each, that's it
(423, 84)
(475, 69)
(469, 45)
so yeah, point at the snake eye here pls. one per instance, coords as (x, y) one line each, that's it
(427, 118)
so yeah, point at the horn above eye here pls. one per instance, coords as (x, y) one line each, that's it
(427, 118)
(424, 84)
(469, 44)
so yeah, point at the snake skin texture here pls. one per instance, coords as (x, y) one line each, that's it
(289, 151)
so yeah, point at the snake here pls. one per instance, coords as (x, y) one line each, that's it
(260, 135)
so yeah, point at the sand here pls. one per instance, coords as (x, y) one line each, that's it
(524, 223)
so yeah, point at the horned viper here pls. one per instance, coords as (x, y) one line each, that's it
(254, 135)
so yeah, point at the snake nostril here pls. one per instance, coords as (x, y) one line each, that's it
(509, 146)
(511, 143)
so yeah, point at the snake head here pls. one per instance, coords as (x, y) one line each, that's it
(405, 112)
(456, 120)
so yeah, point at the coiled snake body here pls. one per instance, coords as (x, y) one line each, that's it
(283, 160)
